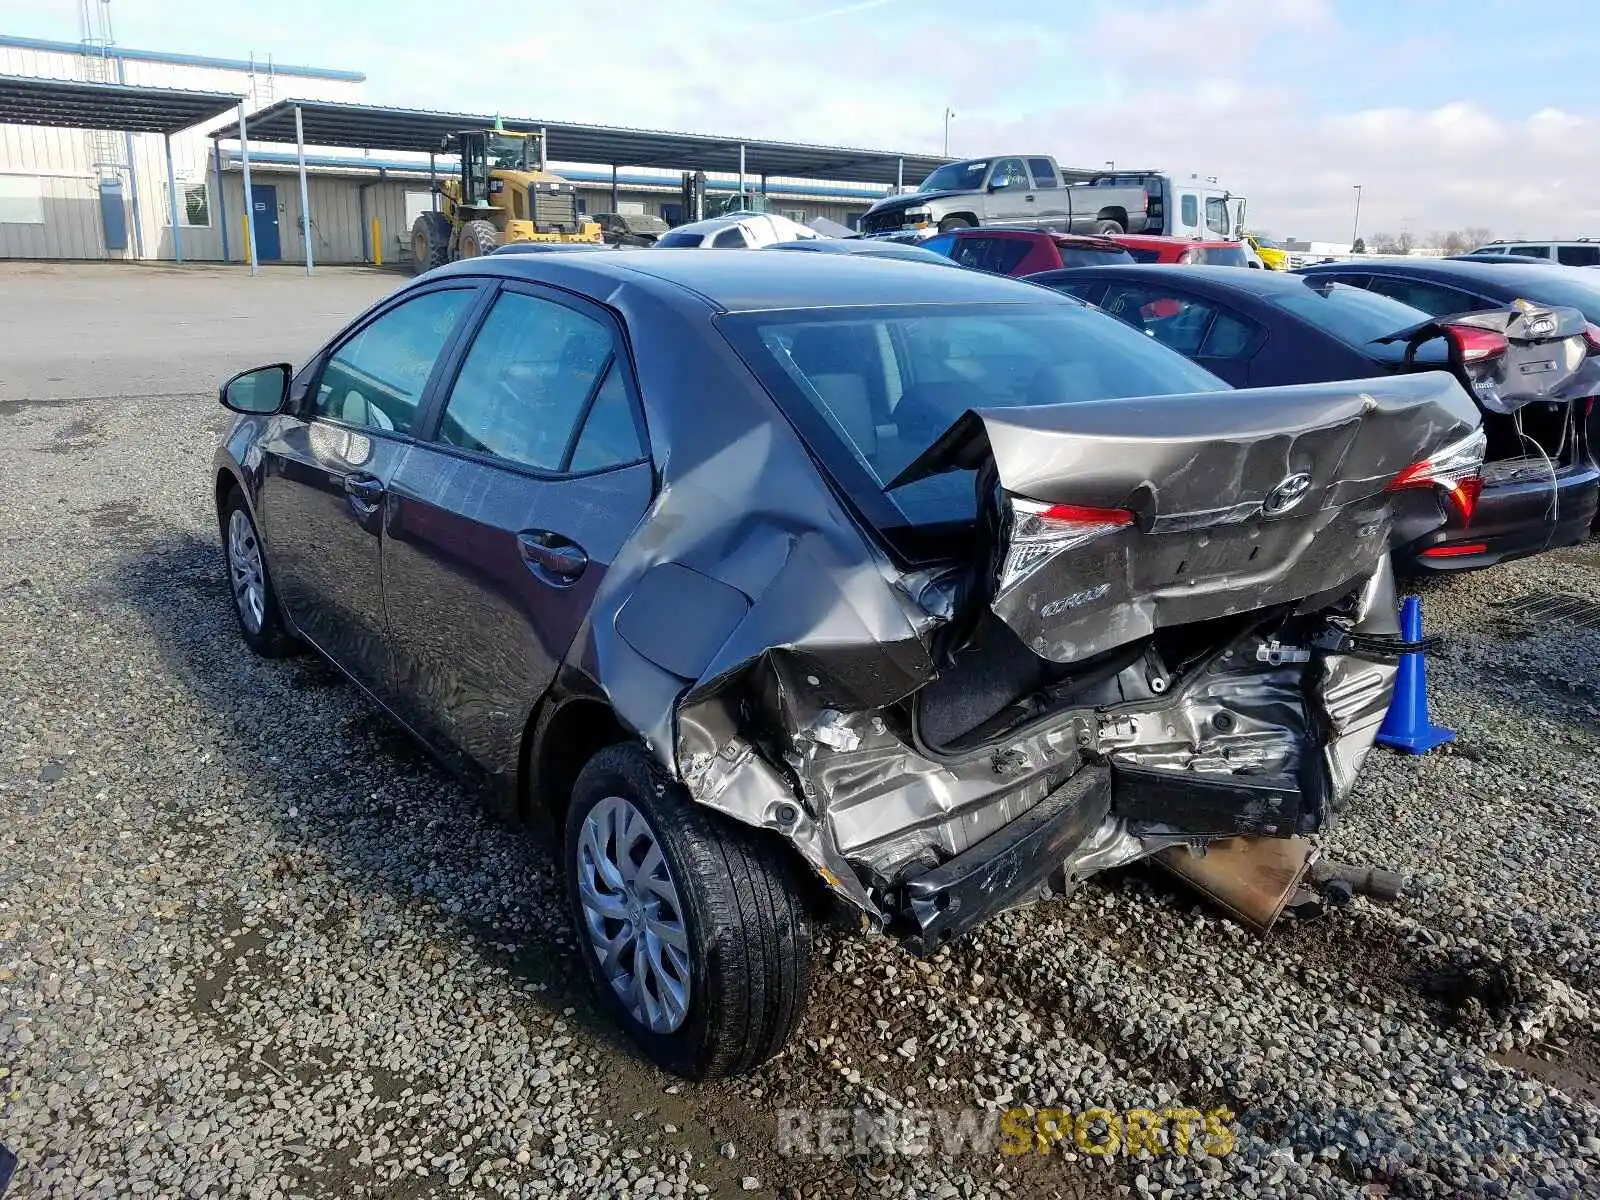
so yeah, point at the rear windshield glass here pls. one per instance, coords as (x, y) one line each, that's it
(1353, 315)
(1144, 256)
(872, 388)
(1226, 256)
(1094, 256)
(1570, 287)
(677, 238)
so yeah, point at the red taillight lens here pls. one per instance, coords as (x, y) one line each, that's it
(1457, 470)
(1476, 345)
(1039, 532)
(1456, 551)
(1591, 337)
(1080, 515)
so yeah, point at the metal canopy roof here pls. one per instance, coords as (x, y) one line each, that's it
(74, 104)
(369, 127)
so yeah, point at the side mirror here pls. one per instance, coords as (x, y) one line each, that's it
(994, 185)
(260, 392)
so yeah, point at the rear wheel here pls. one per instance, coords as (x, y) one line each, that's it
(478, 238)
(430, 242)
(1108, 228)
(949, 223)
(691, 926)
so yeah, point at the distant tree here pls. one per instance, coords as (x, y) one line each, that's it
(1385, 243)
(1455, 242)
(1404, 243)
(1360, 247)
(1474, 236)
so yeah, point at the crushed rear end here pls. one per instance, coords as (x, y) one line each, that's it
(1178, 629)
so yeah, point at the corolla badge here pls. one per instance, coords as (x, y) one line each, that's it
(1287, 494)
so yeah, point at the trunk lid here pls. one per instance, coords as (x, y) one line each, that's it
(1112, 519)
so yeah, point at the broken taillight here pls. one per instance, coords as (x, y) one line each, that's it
(1476, 345)
(1591, 337)
(1457, 470)
(1040, 531)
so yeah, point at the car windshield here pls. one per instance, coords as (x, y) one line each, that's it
(1266, 243)
(640, 223)
(880, 385)
(1226, 256)
(1073, 255)
(1354, 315)
(957, 177)
(678, 237)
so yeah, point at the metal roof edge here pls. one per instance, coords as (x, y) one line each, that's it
(53, 46)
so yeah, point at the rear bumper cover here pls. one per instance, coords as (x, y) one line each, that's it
(1008, 867)
(1515, 517)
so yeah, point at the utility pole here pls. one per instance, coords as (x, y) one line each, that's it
(1355, 230)
(948, 113)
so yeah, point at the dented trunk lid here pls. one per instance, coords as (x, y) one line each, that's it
(1120, 517)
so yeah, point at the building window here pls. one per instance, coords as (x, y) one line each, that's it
(194, 206)
(21, 200)
(796, 214)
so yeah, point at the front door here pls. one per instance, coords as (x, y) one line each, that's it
(328, 465)
(1010, 199)
(502, 522)
(264, 222)
(1186, 221)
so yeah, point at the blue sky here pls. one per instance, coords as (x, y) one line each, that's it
(1472, 113)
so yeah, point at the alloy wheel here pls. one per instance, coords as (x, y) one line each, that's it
(632, 914)
(245, 571)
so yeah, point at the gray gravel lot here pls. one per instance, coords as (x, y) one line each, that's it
(252, 943)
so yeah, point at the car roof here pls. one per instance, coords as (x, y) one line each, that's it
(750, 281)
(1199, 278)
(1491, 278)
(1164, 239)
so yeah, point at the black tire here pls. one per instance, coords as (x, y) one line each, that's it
(271, 637)
(477, 239)
(430, 242)
(748, 933)
(1108, 228)
(949, 223)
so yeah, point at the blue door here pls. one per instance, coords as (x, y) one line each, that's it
(264, 221)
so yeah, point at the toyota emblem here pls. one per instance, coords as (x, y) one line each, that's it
(1287, 494)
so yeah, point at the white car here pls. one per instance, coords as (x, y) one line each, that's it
(737, 231)
(1582, 252)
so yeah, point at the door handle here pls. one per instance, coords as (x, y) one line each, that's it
(553, 558)
(1029, 197)
(364, 488)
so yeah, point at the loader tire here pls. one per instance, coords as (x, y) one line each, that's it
(430, 242)
(477, 238)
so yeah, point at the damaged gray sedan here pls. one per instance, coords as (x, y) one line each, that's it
(788, 587)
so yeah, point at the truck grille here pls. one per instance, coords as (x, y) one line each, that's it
(884, 222)
(554, 210)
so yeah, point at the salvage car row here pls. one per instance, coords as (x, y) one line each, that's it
(824, 586)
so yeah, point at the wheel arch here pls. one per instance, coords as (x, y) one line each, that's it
(1113, 213)
(560, 738)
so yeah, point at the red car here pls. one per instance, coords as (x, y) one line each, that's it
(1021, 252)
(1190, 251)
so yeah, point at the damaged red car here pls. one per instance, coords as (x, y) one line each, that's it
(789, 587)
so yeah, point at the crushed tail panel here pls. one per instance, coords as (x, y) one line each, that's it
(1238, 501)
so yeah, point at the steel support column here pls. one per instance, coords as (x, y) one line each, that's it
(172, 201)
(305, 200)
(249, 196)
(222, 196)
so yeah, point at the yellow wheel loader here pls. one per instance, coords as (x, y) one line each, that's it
(501, 195)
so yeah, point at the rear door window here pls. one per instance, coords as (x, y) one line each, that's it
(1043, 171)
(1529, 251)
(1175, 320)
(1009, 173)
(729, 239)
(1006, 253)
(530, 379)
(1578, 256)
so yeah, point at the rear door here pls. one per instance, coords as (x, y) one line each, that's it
(328, 464)
(505, 517)
(1050, 198)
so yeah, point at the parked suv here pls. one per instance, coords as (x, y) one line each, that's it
(1024, 251)
(1585, 252)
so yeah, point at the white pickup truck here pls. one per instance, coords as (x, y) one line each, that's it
(1030, 190)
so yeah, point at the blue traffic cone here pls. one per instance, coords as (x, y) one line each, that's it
(1406, 727)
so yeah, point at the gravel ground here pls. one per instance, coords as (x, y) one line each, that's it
(252, 943)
